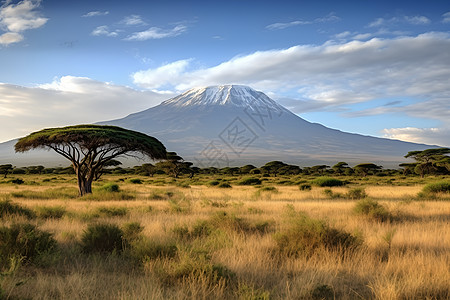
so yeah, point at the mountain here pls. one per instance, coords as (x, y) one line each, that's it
(235, 125)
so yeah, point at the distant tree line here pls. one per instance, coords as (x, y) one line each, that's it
(427, 162)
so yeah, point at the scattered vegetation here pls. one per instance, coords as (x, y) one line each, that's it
(102, 237)
(373, 210)
(327, 182)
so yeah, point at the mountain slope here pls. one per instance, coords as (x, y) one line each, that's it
(241, 125)
(235, 125)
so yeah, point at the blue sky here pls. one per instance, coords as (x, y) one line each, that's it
(378, 68)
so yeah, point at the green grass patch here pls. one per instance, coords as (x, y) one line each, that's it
(7, 208)
(54, 193)
(327, 182)
(373, 210)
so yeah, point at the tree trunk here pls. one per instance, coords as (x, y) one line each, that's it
(84, 183)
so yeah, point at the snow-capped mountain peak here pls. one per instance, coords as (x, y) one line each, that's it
(229, 95)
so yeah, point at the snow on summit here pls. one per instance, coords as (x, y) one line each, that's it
(230, 95)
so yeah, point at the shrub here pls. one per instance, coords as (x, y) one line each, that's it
(373, 210)
(132, 231)
(112, 211)
(145, 249)
(50, 212)
(269, 189)
(102, 238)
(327, 181)
(7, 208)
(110, 187)
(250, 181)
(17, 181)
(304, 187)
(356, 193)
(136, 181)
(24, 242)
(224, 185)
(213, 183)
(329, 193)
(304, 235)
(437, 187)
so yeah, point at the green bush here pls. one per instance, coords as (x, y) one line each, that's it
(110, 187)
(7, 208)
(356, 193)
(112, 211)
(136, 181)
(437, 187)
(213, 182)
(102, 238)
(250, 181)
(269, 189)
(132, 231)
(327, 181)
(304, 187)
(304, 236)
(373, 210)
(224, 185)
(17, 181)
(50, 212)
(24, 242)
(144, 249)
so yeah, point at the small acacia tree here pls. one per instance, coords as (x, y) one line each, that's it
(428, 160)
(92, 147)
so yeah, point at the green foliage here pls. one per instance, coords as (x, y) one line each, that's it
(304, 187)
(7, 208)
(323, 292)
(102, 237)
(50, 212)
(373, 210)
(437, 187)
(356, 193)
(132, 231)
(224, 185)
(251, 293)
(144, 249)
(250, 181)
(17, 181)
(110, 187)
(303, 235)
(112, 211)
(213, 182)
(24, 242)
(136, 181)
(327, 181)
(55, 193)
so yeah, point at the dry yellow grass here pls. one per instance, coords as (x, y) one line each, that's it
(413, 264)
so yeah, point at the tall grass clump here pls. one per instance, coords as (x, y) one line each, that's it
(110, 187)
(23, 242)
(50, 212)
(102, 237)
(7, 208)
(434, 189)
(373, 210)
(303, 235)
(356, 193)
(327, 182)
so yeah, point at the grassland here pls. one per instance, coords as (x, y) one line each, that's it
(195, 240)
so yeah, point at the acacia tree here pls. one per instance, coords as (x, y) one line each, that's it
(428, 160)
(91, 147)
(365, 168)
(6, 169)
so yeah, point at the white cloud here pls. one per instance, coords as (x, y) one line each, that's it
(16, 18)
(331, 17)
(156, 33)
(412, 20)
(446, 17)
(333, 75)
(104, 30)
(95, 14)
(10, 38)
(133, 20)
(21, 16)
(430, 136)
(67, 100)
(164, 75)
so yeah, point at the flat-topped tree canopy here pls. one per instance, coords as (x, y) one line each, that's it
(107, 138)
(91, 147)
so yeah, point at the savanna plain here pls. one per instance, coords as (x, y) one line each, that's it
(225, 237)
